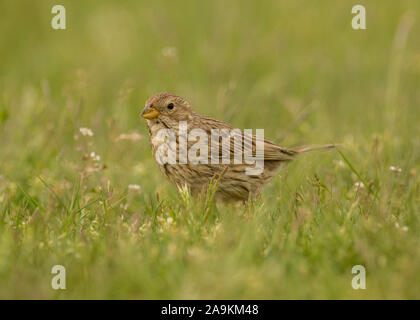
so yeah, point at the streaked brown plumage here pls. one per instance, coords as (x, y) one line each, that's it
(165, 110)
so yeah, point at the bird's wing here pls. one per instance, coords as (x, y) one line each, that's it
(275, 152)
(249, 142)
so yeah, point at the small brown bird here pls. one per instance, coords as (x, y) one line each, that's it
(235, 183)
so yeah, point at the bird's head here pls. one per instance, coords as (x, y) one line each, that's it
(167, 107)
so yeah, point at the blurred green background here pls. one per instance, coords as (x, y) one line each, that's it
(295, 68)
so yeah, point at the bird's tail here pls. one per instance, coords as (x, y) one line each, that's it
(317, 147)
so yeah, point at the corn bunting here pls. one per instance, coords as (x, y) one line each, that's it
(227, 160)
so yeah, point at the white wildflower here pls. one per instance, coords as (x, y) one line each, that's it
(139, 168)
(340, 163)
(169, 220)
(86, 132)
(395, 169)
(124, 206)
(95, 157)
(403, 228)
(169, 52)
(134, 187)
(134, 136)
(359, 184)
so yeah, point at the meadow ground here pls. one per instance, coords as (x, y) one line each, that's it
(99, 206)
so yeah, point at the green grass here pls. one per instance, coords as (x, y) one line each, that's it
(295, 68)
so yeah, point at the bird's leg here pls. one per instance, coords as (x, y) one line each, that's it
(246, 205)
(249, 204)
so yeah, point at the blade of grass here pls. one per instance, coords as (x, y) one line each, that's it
(87, 205)
(55, 194)
(112, 206)
(32, 200)
(75, 196)
(347, 161)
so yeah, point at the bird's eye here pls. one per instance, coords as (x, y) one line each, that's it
(170, 106)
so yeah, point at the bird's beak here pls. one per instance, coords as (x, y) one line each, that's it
(149, 113)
